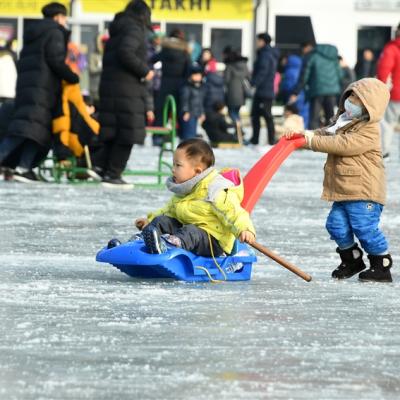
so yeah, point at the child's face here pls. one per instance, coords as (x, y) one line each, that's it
(206, 56)
(197, 77)
(184, 168)
(353, 98)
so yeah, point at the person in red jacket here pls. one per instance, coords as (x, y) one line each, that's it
(389, 69)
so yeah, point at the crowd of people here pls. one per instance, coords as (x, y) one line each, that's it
(131, 76)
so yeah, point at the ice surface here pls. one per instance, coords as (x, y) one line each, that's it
(75, 329)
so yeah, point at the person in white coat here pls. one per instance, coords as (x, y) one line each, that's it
(8, 73)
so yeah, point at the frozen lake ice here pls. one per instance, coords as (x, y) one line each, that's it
(72, 328)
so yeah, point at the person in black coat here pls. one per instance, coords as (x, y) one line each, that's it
(264, 71)
(366, 65)
(213, 90)
(176, 63)
(41, 69)
(123, 90)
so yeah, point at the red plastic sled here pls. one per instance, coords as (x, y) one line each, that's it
(261, 173)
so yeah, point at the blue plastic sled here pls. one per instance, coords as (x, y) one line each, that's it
(132, 259)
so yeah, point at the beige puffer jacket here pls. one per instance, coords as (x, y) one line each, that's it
(354, 168)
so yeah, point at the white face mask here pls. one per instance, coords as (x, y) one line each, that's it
(352, 110)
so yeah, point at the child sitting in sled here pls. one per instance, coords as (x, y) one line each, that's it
(355, 179)
(204, 215)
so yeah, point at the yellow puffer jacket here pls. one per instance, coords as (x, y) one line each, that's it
(74, 116)
(212, 206)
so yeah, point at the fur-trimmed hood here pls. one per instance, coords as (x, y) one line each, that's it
(175, 44)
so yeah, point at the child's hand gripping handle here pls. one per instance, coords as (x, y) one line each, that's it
(307, 135)
(141, 223)
(291, 135)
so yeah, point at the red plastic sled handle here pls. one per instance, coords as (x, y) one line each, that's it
(262, 172)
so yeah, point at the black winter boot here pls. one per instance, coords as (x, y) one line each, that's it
(380, 269)
(352, 262)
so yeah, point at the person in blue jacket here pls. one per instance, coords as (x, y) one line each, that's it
(262, 80)
(291, 75)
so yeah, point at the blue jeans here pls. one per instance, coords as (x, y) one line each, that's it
(189, 128)
(357, 218)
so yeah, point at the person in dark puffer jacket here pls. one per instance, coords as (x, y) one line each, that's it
(213, 90)
(192, 103)
(263, 77)
(40, 70)
(176, 62)
(123, 91)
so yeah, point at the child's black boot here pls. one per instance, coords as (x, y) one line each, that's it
(379, 270)
(154, 242)
(352, 262)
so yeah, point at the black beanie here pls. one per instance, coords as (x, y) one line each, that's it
(52, 9)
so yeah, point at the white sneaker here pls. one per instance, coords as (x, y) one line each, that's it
(25, 176)
(94, 175)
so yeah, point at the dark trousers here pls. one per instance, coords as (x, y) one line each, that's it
(233, 113)
(318, 103)
(188, 128)
(112, 158)
(27, 153)
(192, 237)
(262, 108)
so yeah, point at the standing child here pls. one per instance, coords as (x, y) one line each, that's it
(204, 216)
(192, 100)
(355, 179)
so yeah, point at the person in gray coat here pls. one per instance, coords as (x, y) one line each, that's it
(236, 72)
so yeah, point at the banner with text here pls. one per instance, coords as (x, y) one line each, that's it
(181, 10)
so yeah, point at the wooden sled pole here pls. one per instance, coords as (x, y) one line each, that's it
(267, 252)
(87, 156)
(239, 132)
